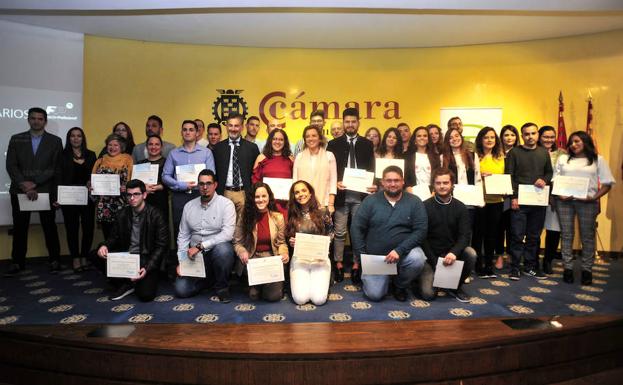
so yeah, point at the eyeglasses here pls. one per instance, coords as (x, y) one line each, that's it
(205, 184)
(134, 194)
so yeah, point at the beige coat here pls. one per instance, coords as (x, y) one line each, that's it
(277, 236)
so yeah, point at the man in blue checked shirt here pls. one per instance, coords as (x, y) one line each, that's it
(189, 154)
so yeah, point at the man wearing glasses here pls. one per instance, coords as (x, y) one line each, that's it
(140, 229)
(206, 231)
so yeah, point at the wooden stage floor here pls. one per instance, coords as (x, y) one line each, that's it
(474, 351)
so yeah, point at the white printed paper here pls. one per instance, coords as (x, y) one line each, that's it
(280, 187)
(192, 267)
(188, 172)
(41, 204)
(73, 195)
(422, 191)
(105, 184)
(146, 172)
(530, 195)
(311, 248)
(571, 186)
(357, 180)
(376, 265)
(382, 163)
(447, 277)
(265, 270)
(498, 184)
(470, 195)
(122, 265)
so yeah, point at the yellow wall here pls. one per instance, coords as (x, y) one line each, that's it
(128, 80)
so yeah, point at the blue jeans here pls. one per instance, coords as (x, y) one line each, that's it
(219, 262)
(526, 222)
(409, 267)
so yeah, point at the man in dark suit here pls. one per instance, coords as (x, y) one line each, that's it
(353, 151)
(33, 162)
(234, 158)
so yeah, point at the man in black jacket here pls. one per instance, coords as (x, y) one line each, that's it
(234, 158)
(33, 162)
(449, 234)
(351, 151)
(142, 230)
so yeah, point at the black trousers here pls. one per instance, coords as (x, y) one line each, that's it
(21, 221)
(77, 217)
(145, 289)
(485, 236)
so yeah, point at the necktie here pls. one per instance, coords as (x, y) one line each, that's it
(351, 153)
(236, 164)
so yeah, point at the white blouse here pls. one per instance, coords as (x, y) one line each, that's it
(598, 172)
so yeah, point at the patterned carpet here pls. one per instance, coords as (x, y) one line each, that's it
(37, 297)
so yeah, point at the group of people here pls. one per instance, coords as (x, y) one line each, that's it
(229, 215)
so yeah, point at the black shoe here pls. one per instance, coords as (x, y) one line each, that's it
(547, 267)
(587, 277)
(567, 276)
(123, 291)
(534, 273)
(55, 267)
(339, 274)
(487, 272)
(460, 295)
(14, 270)
(224, 296)
(400, 294)
(355, 276)
(514, 275)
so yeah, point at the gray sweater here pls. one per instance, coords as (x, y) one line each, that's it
(527, 165)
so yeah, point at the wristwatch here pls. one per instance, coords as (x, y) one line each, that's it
(199, 246)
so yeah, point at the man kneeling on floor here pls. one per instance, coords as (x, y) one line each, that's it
(140, 229)
(449, 234)
(391, 223)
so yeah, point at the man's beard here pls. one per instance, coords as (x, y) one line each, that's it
(205, 198)
(393, 194)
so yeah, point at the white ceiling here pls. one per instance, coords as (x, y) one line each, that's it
(322, 24)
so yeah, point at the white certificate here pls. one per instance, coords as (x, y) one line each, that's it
(382, 164)
(265, 270)
(447, 277)
(571, 186)
(73, 195)
(358, 180)
(311, 248)
(280, 187)
(42, 203)
(498, 184)
(188, 172)
(531, 195)
(146, 172)
(376, 265)
(192, 267)
(105, 184)
(422, 191)
(122, 265)
(470, 195)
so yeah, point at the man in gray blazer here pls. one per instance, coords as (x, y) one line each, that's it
(33, 162)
